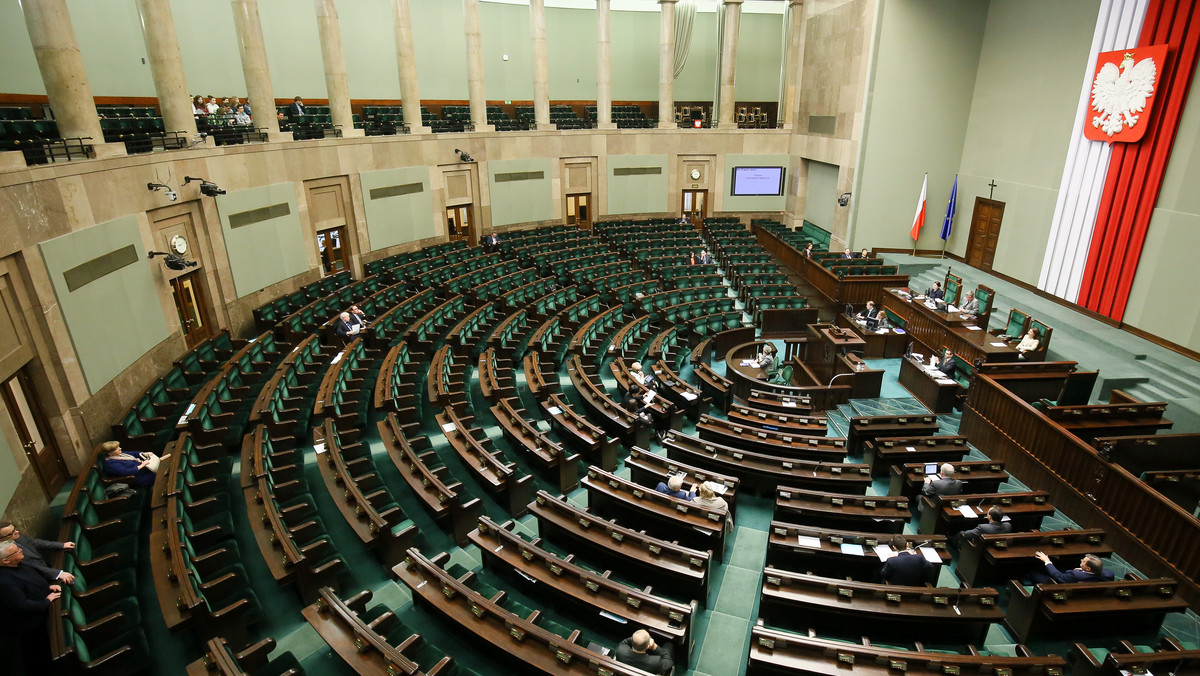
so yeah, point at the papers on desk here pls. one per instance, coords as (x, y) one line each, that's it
(554, 410)
(808, 541)
(998, 344)
(967, 511)
(974, 328)
(688, 395)
(791, 403)
(649, 396)
(614, 618)
(336, 358)
(899, 331)
(911, 449)
(747, 362)
(852, 549)
(884, 552)
(930, 554)
(449, 427)
(319, 448)
(718, 488)
(943, 381)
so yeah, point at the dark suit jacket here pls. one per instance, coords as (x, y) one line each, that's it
(295, 110)
(949, 366)
(935, 293)
(36, 552)
(986, 528)
(655, 662)
(1077, 575)
(342, 328)
(906, 568)
(23, 603)
(849, 255)
(940, 487)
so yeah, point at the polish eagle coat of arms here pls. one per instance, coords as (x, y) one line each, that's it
(1123, 92)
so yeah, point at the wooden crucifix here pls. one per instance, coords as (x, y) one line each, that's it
(992, 188)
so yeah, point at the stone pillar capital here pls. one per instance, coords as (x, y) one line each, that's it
(664, 2)
(795, 3)
(733, 2)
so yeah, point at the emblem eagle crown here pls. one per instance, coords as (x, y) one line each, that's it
(1120, 92)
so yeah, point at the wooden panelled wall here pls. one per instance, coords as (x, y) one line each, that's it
(1151, 532)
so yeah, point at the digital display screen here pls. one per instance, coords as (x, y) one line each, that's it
(751, 181)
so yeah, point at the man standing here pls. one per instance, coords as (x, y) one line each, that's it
(36, 551)
(296, 109)
(641, 651)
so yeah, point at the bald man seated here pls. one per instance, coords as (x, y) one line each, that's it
(642, 652)
(945, 484)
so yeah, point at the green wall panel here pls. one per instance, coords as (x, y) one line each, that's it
(109, 33)
(279, 241)
(820, 195)
(116, 318)
(637, 193)
(20, 72)
(760, 48)
(441, 48)
(698, 80)
(400, 218)
(294, 48)
(571, 54)
(919, 105)
(506, 32)
(521, 201)
(634, 48)
(1024, 154)
(369, 47)
(209, 47)
(761, 203)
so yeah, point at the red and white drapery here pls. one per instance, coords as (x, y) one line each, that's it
(1107, 194)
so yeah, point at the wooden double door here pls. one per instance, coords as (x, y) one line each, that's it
(985, 232)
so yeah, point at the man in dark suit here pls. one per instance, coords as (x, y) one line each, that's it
(642, 652)
(36, 550)
(946, 484)
(995, 524)
(847, 253)
(705, 257)
(1091, 569)
(296, 109)
(907, 567)
(491, 242)
(346, 328)
(947, 364)
(25, 596)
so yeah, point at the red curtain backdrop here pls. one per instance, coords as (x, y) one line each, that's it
(1136, 170)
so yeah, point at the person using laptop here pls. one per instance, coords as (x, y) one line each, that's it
(870, 314)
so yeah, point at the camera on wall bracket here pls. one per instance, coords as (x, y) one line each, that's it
(207, 187)
(173, 260)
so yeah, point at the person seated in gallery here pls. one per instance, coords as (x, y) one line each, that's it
(847, 253)
(864, 253)
(946, 364)
(1091, 569)
(808, 250)
(906, 567)
(139, 468)
(673, 487)
(970, 305)
(1029, 343)
(766, 359)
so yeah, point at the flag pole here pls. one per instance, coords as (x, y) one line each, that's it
(919, 218)
(948, 221)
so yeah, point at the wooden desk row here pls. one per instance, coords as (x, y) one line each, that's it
(763, 472)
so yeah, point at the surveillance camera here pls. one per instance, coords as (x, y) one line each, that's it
(843, 199)
(172, 195)
(177, 262)
(210, 189)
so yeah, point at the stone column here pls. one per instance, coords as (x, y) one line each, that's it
(666, 64)
(61, 65)
(541, 71)
(166, 65)
(330, 31)
(603, 68)
(733, 15)
(406, 56)
(254, 67)
(476, 91)
(789, 93)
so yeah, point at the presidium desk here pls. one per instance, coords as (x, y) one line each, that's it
(934, 329)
